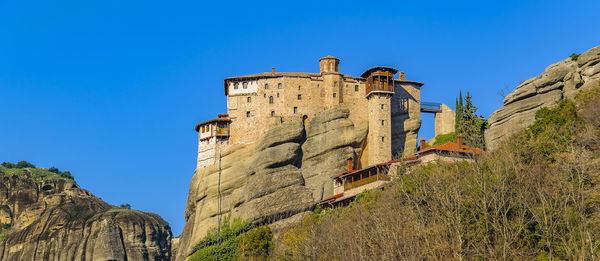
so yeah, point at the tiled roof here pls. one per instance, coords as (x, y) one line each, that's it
(452, 147)
(211, 121)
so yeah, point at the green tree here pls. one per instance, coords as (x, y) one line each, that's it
(125, 206)
(24, 164)
(470, 126)
(8, 165)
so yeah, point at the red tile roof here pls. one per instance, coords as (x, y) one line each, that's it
(452, 147)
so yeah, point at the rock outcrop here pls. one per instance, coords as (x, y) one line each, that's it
(276, 179)
(57, 220)
(560, 80)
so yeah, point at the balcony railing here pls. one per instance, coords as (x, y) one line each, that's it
(364, 181)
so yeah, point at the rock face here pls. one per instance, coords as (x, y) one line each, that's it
(275, 179)
(560, 80)
(57, 220)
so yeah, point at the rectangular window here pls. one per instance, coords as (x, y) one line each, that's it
(270, 99)
(295, 110)
(245, 84)
(355, 88)
(272, 113)
(382, 106)
(299, 96)
(249, 99)
(265, 95)
(247, 114)
(235, 85)
(266, 86)
(277, 95)
(382, 122)
(382, 138)
(279, 86)
(334, 94)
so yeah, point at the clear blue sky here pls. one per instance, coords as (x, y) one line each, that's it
(111, 90)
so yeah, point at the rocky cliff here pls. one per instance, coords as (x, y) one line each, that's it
(560, 80)
(276, 179)
(54, 219)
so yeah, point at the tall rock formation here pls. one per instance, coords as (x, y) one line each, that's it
(54, 219)
(560, 80)
(276, 179)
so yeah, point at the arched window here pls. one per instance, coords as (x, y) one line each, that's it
(279, 86)
(266, 86)
(235, 85)
(272, 113)
(245, 85)
(249, 99)
(355, 88)
(270, 99)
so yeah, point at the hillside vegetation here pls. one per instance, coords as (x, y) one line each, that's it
(8, 169)
(535, 197)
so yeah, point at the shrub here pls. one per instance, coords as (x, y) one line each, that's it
(125, 206)
(8, 165)
(256, 243)
(24, 164)
(54, 170)
(66, 174)
(574, 56)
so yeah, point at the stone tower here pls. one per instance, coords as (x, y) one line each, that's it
(379, 91)
(333, 80)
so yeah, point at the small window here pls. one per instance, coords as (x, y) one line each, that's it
(247, 114)
(266, 86)
(235, 85)
(245, 85)
(295, 110)
(298, 87)
(265, 95)
(277, 95)
(355, 88)
(299, 96)
(346, 85)
(334, 94)
(279, 86)
(382, 106)
(249, 99)
(272, 113)
(318, 85)
(382, 138)
(382, 122)
(270, 99)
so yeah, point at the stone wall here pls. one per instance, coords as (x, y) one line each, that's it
(445, 120)
(560, 80)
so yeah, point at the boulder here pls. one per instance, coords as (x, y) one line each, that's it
(560, 80)
(57, 220)
(276, 180)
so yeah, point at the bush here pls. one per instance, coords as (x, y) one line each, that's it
(8, 165)
(24, 164)
(54, 170)
(66, 175)
(230, 233)
(575, 56)
(256, 243)
(125, 206)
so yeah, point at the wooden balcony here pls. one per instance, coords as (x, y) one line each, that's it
(363, 181)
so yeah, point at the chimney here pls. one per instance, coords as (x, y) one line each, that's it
(272, 69)
(349, 164)
(459, 140)
(422, 147)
